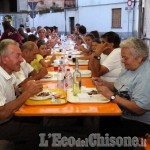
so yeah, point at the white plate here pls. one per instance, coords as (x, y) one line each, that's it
(52, 76)
(41, 97)
(81, 62)
(48, 76)
(76, 52)
(85, 72)
(85, 98)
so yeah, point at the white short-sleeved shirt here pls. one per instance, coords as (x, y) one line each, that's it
(7, 91)
(103, 57)
(135, 84)
(114, 65)
(25, 69)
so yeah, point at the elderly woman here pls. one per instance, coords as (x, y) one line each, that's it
(131, 91)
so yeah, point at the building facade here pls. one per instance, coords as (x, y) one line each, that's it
(121, 16)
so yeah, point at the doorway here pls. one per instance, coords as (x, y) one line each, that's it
(71, 21)
(13, 5)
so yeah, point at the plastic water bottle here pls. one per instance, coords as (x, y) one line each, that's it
(62, 64)
(68, 79)
(60, 79)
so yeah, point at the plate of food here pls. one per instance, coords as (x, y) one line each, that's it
(45, 94)
(48, 97)
(92, 92)
(88, 95)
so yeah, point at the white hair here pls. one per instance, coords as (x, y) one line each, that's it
(136, 46)
(4, 49)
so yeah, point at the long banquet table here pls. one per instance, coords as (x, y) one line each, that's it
(72, 109)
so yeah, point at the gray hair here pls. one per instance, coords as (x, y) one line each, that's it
(4, 49)
(136, 46)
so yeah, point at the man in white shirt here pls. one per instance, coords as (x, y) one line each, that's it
(111, 67)
(16, 129)
(27, 72)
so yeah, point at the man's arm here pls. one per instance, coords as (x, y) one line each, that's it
(34, 75)
(48, 63)
(30, 89)
(94, 63)
(95, 66)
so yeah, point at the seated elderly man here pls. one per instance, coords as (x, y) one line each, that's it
(27, 72)
(16, 129)
(111, 67)
(131, 91)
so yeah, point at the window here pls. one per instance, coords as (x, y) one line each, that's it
(116, 18)
(8, 6)
(69, 3)
(71, 19)
(13, 5)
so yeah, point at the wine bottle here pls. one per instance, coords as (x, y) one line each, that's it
(76, 80)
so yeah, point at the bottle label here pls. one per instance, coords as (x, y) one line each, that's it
(68, 83)
(76, 88)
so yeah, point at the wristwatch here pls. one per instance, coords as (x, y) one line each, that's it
(97, 57)
(113, 97)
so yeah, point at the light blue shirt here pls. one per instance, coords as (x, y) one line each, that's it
(136, 85)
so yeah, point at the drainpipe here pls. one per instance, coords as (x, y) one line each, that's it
(65, 18)
(133, 20)
(77, 10)
(140, 19)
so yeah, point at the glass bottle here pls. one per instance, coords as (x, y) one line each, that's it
(76, 80)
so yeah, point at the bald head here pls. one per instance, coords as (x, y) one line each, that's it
(29, 50)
